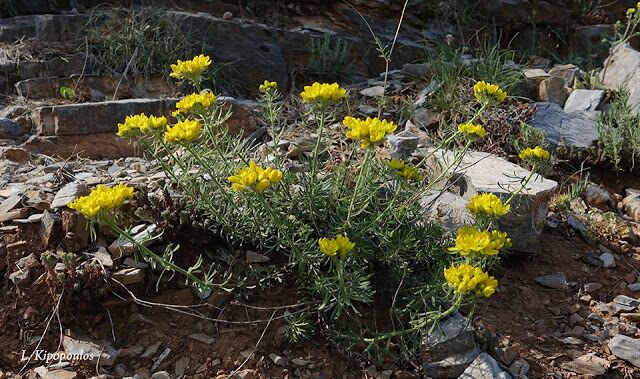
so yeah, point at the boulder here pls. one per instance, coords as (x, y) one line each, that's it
(484, 172)
(622, 69)
(583, 100)
(448, 209)
(484, 367)
(631, 205)
(577, 129)
(43, 27)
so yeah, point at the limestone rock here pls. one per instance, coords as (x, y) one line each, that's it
(631, 205)
(583, 100)
(578, 129)
(622, 69)
(484, 367)
(536, 75)
(484, 172)
(448, 209)
(626, 348)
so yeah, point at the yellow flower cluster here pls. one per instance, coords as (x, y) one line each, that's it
(141, 123)
(405, 170)
(254, 177)
(487, 93)
(338, 245)
(323, 93)
(537, 154)
(631, 11)
(102, 198)
(191, 69)
(194, 103)
(370, 131)
(467, 279)
(472, 130)
(268, 86)
(487, 204)
(472, 241)
(183, 131)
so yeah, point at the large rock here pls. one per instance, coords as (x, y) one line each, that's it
(88, 118)
(484, 172)
(449, 348)
(92, 146)
(45, 27)
(448, 209)
(484, 367)
(622, 69)
(583, 100)
(626, 348)
(578, 129)
(97, 88)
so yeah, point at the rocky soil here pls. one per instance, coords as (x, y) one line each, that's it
(568, 304)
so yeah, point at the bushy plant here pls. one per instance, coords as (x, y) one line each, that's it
(619, 133)
(352, 227)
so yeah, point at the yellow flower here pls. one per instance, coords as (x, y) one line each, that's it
(487, 93)
(537, 154)
(472, 130)
(631, 11)
(254, 177)
(487, 204)
(405, 170)
(183, 131)
(472, 241)
(102, 198)
(323, 93)
(195, 103)
(332, 246)
(141, 123)
(268, 86)
(370, 131)
(191, 69)
(467, 279)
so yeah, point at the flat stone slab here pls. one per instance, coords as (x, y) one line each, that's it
(626, 348)
(578, 128)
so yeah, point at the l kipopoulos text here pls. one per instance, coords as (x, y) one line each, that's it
(47, 357)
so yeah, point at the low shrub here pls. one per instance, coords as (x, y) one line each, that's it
(353, 230)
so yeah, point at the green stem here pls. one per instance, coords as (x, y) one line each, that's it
(367, 156)
(151, 256)
(512, 196)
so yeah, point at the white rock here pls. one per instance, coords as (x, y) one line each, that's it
(621, 70)
(578, 129)
(484, 367)
(484, 172)
(583, 100)
(375, 91)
